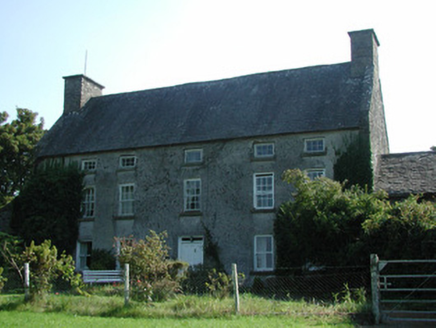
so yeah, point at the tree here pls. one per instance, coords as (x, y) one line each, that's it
(48, 207)
(328, 224)
(17, 143)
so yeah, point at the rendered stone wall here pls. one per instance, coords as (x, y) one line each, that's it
(226, 175)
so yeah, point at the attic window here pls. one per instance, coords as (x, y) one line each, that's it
(263, 150)
(193, 156)
(315, 173)
(127, 161)
(315, 145)
(89, 165)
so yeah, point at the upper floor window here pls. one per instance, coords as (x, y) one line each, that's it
(127, 161)
(88, 203)
(89, 164)
(127, 199)
(315, 173)
(192, 195)
(315, 145)
(263, 253)
(193, 156)
(263, 190)
(264, 150)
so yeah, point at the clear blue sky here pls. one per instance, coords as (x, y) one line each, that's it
(140, 44)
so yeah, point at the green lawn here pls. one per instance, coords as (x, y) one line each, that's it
(36, 320)
(183, 311)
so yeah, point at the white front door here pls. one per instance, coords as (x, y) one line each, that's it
(191, 250)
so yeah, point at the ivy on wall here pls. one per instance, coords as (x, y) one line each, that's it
(354, 164)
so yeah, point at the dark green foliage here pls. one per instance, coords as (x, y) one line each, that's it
(405, 230)
(327, 224)
(354, 165)
(17, 141)
(102, 259)
(48, 207)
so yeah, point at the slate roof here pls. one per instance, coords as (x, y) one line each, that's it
(407, 173)
(317, 98)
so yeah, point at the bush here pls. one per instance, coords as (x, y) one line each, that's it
(326, 224)
(45, 267)
(153, 276)
(2, 279)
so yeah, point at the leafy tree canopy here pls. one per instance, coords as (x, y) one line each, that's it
(326, 224)
(17, 141)
(48, 207)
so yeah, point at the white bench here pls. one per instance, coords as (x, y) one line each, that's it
(102, 276)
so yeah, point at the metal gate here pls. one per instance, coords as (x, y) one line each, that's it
(403, 290)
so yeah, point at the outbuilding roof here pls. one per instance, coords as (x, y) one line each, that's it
(407, 173)
(311, 99)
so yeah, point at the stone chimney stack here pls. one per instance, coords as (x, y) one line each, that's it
(363, 51)
(78, 90)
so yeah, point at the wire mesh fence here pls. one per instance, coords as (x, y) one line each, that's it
(324, 284)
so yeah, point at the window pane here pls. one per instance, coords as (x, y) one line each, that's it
(88, 203)
(264, 190)
(264, 253)
(314, 145)
(127, 199)
(264, 150)
(128, 161)
(89, 165)
(192, 194)
(193, 156)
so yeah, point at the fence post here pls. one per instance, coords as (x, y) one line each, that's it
(126, 284)
(26, 282)
(375, 288)
(235, 287)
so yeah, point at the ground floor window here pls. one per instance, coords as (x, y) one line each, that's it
(263, 253)
(83, 255)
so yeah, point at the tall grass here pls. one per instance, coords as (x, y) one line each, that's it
(187, 307)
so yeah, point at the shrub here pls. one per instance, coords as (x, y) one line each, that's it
(2, 279)
(45, 267)
(326, 224)
(219, 284)
(153, 275)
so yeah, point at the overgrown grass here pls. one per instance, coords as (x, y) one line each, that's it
(195, 309)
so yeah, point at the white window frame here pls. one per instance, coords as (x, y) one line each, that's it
(86, 164)
(315, 173)
(191, 195)
(127, 158)
(126, 203)
(88, 203)
(262, 193)
(81, 256)
(308, 148)
(193, 160)
(261, 256)
(264, 145)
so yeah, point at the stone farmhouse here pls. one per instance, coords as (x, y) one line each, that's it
(203, 161)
